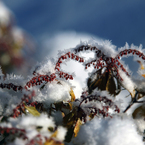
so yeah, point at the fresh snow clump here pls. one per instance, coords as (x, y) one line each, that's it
(115, 131)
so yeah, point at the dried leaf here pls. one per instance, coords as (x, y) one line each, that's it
(61, 105)
(89, 82)
(58, 105)
(51, 129)
(52, 141)
(141, 65)
(132, 93)
(96, 75)
(105, 82)
(72, 95)
(63, 115)
(139, 112)
(32, 110)
(140, 95)
(70, 105)
(99, 83)
(91, 116)
(77, 127)
(54, 134)
(68, 119)
(111, 86)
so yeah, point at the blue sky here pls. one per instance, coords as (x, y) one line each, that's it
(119, 21)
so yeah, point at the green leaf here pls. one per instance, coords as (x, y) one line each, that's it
(52, 141)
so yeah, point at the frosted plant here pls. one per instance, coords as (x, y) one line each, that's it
(43, 109)
(14, 43)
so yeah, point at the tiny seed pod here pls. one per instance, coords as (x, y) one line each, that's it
(77, 58)
(71, 77)
(125, 52)
(137, 53)
(129, 51)
(80, 60)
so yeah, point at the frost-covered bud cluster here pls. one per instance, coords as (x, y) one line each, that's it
(98, 105)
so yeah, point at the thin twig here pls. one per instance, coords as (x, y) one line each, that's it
(132, 102)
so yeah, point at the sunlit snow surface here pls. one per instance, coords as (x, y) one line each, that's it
(114, 131)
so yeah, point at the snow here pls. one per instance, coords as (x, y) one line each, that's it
(37, 121)
(54, 88)
(29, 123)
(50, 92)
(140, 84)
(127, 82)
(106, 47)
(46, 67)
(8, 102)
(17, 80)
(109, 132)
(18, 141)
(4, 15)
(61, 132)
